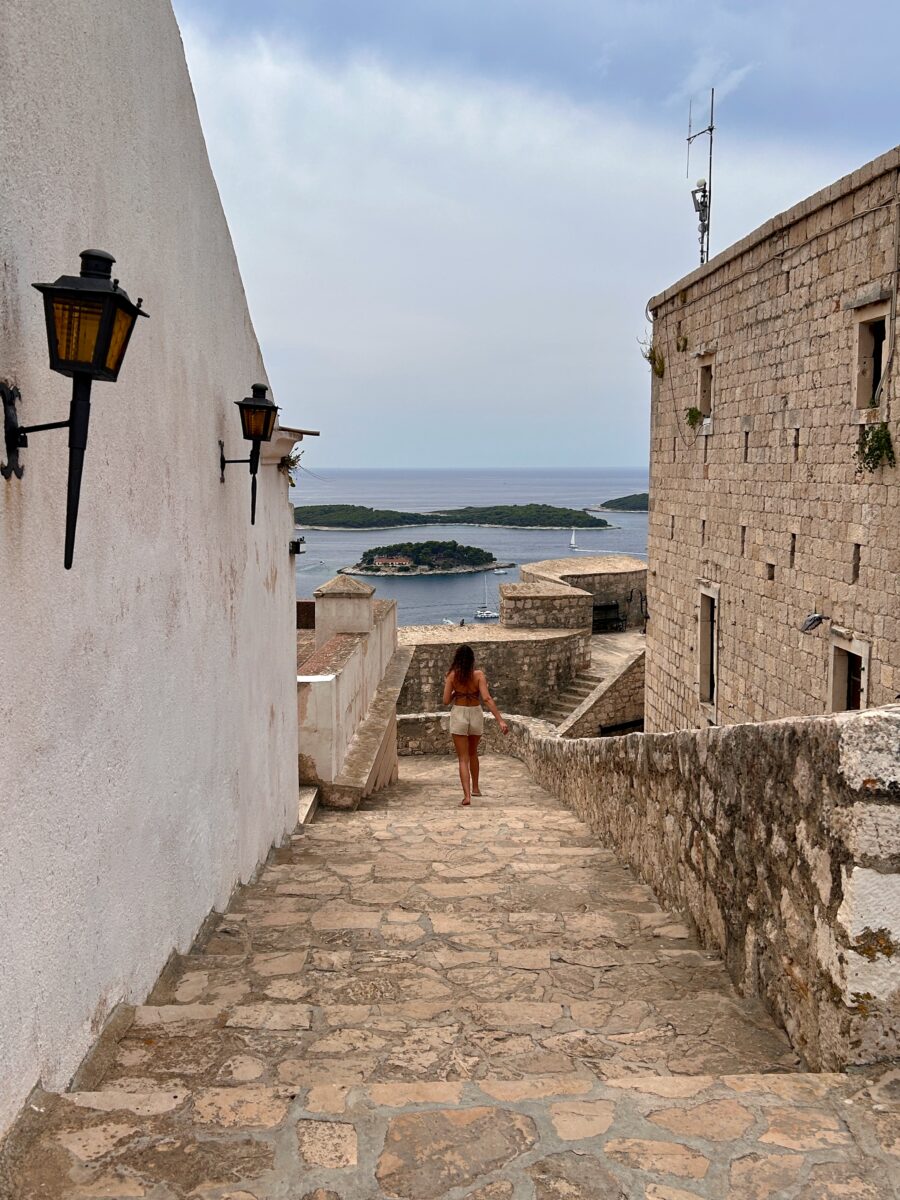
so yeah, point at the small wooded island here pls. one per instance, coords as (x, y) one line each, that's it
(424, 558)
(638, 502)
(507, 516)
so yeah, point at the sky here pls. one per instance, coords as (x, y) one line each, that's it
(450, 214)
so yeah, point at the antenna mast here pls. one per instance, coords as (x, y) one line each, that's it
(702, 193)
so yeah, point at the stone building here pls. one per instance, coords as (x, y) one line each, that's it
(773, 371)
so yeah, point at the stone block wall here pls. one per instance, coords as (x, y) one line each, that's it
(544, 606)
(762, 501)
(780, 840)
(523, 666)
(617, 701)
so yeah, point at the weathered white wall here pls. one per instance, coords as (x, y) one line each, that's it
(147, 697)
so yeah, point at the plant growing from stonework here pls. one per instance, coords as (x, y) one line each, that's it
(654, 356)
(875, 449)
(681, 343)
(290, 464)
(693, 416)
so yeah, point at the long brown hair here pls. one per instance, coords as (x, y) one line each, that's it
(463, 665)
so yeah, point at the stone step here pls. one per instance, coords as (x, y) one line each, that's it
(545, 1135)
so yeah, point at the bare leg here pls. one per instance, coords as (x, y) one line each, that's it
(461, 742)
(474, 764)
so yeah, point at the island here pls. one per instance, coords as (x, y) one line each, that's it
(505, 516)
(638, 502)
(424, 558)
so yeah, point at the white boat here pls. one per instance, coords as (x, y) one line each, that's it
(447, 621)
(500, 571)
(573, 545)
(483, 612)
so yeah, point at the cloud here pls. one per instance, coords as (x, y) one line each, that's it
(446, 269)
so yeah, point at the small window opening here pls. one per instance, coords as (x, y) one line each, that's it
(705, 389)
(857, 550)
(793, 551)
(770, 570)
(706, 449)
(674, 448)
(707, 649)
(671, 527)
(870, 360)
(703, 533)
(797, 443)
(743, 541)
(746, 446)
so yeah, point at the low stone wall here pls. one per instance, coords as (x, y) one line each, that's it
(781, 841)
(523, 666)
(615, 702)
(545, 606)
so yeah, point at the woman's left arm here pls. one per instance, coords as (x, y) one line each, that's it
(488, 702)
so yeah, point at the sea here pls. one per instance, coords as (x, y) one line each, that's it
(428, 601)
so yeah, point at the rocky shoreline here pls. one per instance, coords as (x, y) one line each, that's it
(418, 571)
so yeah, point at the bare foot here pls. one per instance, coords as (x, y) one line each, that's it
(465, 802)
(475, 792)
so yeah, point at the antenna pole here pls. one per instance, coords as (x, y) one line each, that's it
(712, 104)
(702, 193)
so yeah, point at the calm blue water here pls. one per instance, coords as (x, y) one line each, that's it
(427, 601)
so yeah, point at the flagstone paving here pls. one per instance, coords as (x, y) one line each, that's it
(422, 1002)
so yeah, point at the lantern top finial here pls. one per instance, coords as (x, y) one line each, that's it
(96, 264)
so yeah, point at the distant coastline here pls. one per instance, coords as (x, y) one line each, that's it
(334, 517)
(600, 527)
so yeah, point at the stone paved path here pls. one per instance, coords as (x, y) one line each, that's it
(419, 1002)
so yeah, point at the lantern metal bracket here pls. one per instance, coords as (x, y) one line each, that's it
(224, 462)
(16, 435)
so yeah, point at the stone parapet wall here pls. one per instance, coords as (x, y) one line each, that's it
(763, 502)
(523, 667)
(780, 840)
(544, 606)
(617, 701)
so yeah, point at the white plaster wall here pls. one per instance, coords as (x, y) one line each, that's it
(148, 733)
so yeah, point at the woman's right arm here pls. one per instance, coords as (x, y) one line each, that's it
(448, 688)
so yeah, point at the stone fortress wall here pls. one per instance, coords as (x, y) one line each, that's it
(760, 506)
(523, 666)
(607, 578)
(148, 754)
(544, 606)
(780, 841)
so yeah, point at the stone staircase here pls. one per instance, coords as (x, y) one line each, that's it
(563, 704)
(417, 1001)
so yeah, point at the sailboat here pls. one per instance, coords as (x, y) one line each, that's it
(484, 613)
(573, 545)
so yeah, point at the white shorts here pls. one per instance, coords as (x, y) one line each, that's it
(466, 720)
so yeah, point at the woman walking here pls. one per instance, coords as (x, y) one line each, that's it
(466, 689)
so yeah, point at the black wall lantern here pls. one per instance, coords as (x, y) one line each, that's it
(258, 417)
(90, 321)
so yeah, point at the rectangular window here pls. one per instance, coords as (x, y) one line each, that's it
(849, 674)
(671, 528)
(770, 571)
(705, 388)
(857, 550)
(793, 552)
(674, 447)
(746, 446)
(871, 334)
(702, 533)
(743, 541)
(797, 444)
(708, 663)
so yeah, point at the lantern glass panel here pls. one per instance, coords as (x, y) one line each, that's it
(253, 418)
(270, 417)
(123, 323)
(77, 327)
